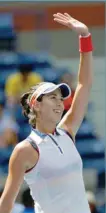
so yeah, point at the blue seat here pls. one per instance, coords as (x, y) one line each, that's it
(85, 131)
(5, 154)
(25, 58)
(7, 34)
(24, 127)
(90, 148)
(7, 26)
(97, 164)
(2, 97)
(102, 209)
(9, 70)
(20, 118)
(37, 60)
(101, 178)
(6, 20)
(44, 60)
(42, 64)
(25, 130)
(3, 77)
(28, 210)
(4, 158)
(49, 74)
(8, 60)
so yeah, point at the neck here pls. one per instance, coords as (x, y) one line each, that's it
(24, 77)
(45, 129)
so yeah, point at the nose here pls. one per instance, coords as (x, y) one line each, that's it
(60, 103)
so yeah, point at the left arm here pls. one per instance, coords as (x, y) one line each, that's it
(73, 118)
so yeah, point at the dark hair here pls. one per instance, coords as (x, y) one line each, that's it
(24, 101)
(25, 68)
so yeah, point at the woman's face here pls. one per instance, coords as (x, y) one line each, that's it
(51, 107)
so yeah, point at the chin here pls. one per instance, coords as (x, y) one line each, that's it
(56, 121)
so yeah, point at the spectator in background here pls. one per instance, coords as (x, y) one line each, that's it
(69, 79)
(8, 127)
(92, 202)
(28, 202)
(8, 136)
(20, 82)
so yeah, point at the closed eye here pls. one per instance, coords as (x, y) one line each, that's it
(62, 99)
(55, 97)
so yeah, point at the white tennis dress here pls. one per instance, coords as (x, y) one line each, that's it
(56, 182)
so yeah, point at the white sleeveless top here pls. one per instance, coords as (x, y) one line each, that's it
(56, 182)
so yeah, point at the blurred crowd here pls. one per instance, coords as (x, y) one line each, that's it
(14, 126)
(19, 72)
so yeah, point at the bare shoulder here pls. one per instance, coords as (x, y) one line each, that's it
(23, 157)
(25, 153)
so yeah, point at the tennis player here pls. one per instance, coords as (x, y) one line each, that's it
(48, 159)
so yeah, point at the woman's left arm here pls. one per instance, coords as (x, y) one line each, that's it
(73, 118)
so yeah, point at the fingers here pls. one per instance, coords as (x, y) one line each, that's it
(60, 21)
(61, 16)
(64, 16)
(67, 15)
(64, 19)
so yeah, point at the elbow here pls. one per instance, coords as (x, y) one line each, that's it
(87, 85)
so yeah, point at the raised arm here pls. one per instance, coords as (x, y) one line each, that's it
(73, 118)
(19, 163)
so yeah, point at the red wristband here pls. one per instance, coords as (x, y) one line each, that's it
(85, 44)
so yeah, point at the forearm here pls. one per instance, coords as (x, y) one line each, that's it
(5, 207)
(85, 74)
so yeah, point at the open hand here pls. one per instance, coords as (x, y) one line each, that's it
(75, 25)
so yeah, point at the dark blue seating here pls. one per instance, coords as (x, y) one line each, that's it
(102, 209)
(2, 98)
(8, 61)
(6, 20)
(91, 148)
(22, 121)
(7, 33)
(4, 158)
(20, 118)
(85, 131)
(3, 77)
(101, 177)
(43, 60)
(26, 58)
(97, 164)
(49, 74)
(25, 130)
(6, 26)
